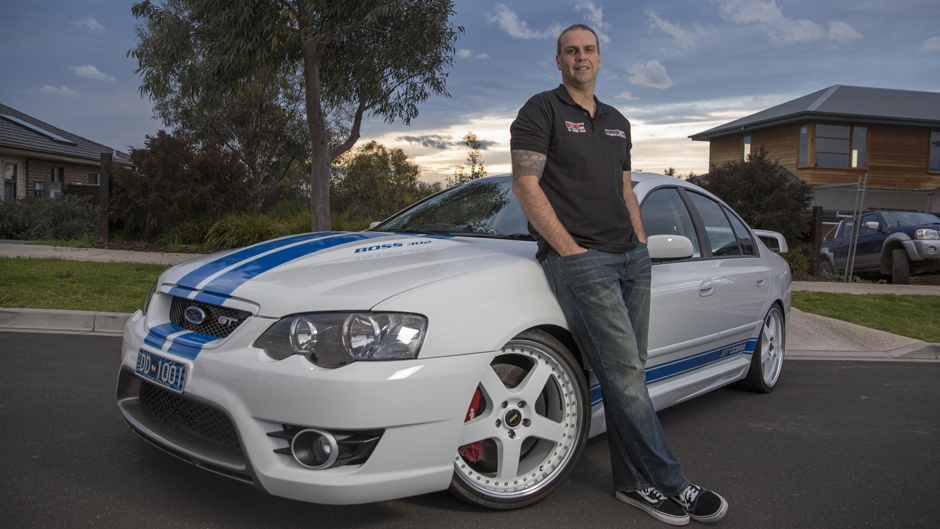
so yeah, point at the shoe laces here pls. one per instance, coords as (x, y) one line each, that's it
(653, 493)
(689, 495)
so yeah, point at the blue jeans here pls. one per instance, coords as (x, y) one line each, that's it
(606, 300)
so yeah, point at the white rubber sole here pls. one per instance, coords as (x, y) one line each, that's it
(714, 517)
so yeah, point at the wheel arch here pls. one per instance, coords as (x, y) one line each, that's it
(564, 336)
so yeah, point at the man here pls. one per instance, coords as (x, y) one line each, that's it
(571, 173)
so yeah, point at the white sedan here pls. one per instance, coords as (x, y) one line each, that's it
(428, 352)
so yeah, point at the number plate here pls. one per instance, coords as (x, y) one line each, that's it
(168, 373)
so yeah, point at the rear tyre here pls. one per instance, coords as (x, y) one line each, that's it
(900, 267)
(530, 424)
(767, 360)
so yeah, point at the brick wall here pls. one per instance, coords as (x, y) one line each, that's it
(41, 171)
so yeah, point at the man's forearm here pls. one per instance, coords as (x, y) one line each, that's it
(527, 167)
(630, 198)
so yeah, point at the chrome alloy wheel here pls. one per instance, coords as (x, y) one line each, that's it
(530, 427)
(772, 347)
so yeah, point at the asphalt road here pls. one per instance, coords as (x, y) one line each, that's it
(838, 444)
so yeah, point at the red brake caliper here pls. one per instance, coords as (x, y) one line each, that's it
(472, 452)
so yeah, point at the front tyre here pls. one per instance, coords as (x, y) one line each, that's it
(900, 267)
(527, 427)
(767, 360)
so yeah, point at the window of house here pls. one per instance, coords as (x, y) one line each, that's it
(57, 173)
(840, 146)
(747, 147)
(804, 144)
(93, 179)
(9, 181)
(935, 150)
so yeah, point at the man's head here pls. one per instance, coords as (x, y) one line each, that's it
(583, 27)
(579, 56)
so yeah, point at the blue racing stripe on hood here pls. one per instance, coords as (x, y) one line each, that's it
(187, 345)
(226, 283)
(192, 279)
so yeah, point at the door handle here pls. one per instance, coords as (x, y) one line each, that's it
(707, 288)
(760, 280)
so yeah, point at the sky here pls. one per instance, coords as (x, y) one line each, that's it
(673, 68)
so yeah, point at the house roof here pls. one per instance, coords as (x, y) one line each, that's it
(842, 103)
(24, 132)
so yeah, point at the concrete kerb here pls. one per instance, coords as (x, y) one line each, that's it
(64, 321)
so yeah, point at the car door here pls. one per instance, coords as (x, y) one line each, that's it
(744, 277)
(868, 248)
(685, 307)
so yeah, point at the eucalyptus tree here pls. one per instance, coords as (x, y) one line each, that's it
(375, 57)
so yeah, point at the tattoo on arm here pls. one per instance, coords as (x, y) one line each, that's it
(527, 163)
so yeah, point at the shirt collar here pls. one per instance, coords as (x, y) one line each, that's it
(563, 94)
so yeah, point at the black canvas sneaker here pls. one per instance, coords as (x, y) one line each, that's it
(701, 504)
(656, 505)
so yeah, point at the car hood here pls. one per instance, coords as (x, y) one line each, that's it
(336, 271)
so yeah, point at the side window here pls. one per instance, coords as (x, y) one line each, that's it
(664, 213)
(721, 237)
(847, 228)
(744, 236)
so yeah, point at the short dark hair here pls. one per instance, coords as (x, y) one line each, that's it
(578, 26)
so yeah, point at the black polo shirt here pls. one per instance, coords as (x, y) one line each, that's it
(583, 176)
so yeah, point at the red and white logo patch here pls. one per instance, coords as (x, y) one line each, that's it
(616, 132)
(575, 127)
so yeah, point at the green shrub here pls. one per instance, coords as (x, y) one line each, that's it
(801, 260)
(64, 217)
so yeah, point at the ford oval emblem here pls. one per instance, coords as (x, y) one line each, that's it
(194, 315)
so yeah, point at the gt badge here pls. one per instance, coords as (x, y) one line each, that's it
(194, 315)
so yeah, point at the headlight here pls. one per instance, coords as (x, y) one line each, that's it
(926, 233)
(149, 297)
(334, 340)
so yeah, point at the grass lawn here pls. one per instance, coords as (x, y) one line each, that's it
(912, 316)
(75, 285)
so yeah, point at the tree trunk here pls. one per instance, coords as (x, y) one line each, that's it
(320, 153)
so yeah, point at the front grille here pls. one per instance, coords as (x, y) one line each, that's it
(189, 417)
(220, 321)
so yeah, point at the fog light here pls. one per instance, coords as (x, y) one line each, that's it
(314, 449)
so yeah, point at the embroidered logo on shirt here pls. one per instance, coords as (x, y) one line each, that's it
(575, 127)
(616, 132)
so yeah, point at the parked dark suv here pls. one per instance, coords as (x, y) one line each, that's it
(895, 243)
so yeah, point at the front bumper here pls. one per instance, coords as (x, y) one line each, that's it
(924, 249)
(419, 405)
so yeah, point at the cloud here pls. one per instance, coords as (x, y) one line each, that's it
(758, 99)
(626, 95)
(842, 32)
(90, 72)
(437, 141)
(510, 23)
(781, 30)
(91, 24)
(684, 39)
(64, 91)
(482, 56)
(931, 44)
(650, 74)
(465, 53)
(594, 15)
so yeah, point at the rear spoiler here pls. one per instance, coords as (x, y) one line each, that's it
(781, 242)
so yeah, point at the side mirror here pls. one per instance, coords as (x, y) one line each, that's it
(669, 247)
(872, 225)
(374, 224)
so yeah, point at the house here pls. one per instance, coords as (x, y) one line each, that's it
(840, 133)
(38, 158)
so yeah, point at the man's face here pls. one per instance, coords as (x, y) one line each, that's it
(580, 59)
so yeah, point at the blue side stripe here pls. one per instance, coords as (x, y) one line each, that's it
(684, 365)
(192, 279)
(226, 283)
